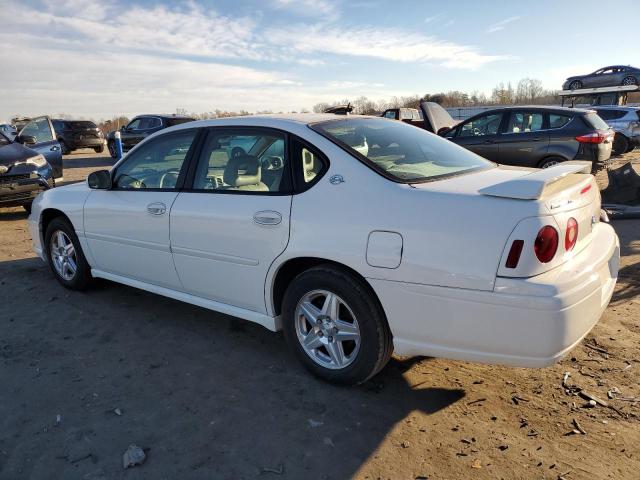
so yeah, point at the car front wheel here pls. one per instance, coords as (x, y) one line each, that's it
(335, 326)
(575, 85)
(112, 149)
(65, 256)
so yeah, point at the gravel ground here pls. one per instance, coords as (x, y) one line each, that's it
(84, 375)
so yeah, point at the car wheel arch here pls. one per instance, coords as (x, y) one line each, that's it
(47, 216)
(292, 267)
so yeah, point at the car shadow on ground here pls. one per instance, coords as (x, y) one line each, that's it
(209, 395)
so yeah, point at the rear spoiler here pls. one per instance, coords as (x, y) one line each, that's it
(533, 185)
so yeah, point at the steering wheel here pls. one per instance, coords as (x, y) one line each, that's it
(171, 174)
(476, 131)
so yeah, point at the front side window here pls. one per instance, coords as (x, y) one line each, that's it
(155, 164)
(40, 129)
(484, 125)
(390, 114)
(244, 161)
(399, 151)
(4, 140)
(524, 122)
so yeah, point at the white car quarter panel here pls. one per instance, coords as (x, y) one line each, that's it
(128, 240)
(220, 252)
(384, 249)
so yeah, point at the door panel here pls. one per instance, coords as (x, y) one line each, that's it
(129, 236)
(524, 142)
(480, 135)
(46, 142)
(223, 244)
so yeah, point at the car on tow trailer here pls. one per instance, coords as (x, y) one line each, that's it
(354, 235)
(625, 121)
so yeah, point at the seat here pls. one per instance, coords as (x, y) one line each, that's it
(244, 172)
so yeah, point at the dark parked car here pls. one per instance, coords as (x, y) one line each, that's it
(29, 163)
(535, 136)
(140, 127)
(8, 130)
(75, 134)
(612, 76)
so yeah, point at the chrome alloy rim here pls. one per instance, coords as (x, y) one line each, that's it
(550, 164)
(327, 329)
(63, 255)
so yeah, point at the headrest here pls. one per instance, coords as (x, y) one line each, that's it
(250, 167)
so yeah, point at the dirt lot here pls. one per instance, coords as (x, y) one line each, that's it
(209, 396)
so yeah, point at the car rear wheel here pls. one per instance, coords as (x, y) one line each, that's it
(99, 149)
(620, 144)
(335, 326)
(575, 85)
(550, 162)
(112, 149)
(630, 81)
(65, 256)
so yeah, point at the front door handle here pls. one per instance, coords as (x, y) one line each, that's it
(55, 148)
(488, 141)
(267, 217)
(537, 139)
(156, 208)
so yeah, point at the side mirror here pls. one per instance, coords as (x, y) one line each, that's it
(123, 128)
(99, 180)
(26, 139)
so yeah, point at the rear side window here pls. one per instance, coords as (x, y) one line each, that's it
(558, 121)
(177, 121)
(524, 122)
(595, 121)
(611, 114)
(79, 125)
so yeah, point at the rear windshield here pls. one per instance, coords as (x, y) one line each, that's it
(596, 122)
(76, 125)
(177, 121)
(398, 151)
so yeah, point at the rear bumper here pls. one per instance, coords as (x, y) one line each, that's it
(22, 191)
(528, 322)
(87, 143)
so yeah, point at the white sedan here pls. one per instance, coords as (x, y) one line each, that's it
(356, 236)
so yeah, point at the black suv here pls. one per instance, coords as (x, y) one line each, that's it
(140, 127)
(75, 134)
(535, 136)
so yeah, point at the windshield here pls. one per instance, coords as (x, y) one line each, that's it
(401, 152)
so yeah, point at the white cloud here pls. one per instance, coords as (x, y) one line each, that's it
(496, 27)
(387, 44)
(310, 8)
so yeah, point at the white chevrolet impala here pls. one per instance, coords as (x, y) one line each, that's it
(356, 236)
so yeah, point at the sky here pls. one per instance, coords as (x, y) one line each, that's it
(98, 59)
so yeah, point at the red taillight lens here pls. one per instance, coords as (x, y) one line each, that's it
(595, 137)
(514, 254)
(571, 235)
(546, 244)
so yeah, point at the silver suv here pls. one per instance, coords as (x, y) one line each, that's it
(625, 121)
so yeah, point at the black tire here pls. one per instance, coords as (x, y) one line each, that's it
(630, 80)
(64, 148)
(27, 207)
(111, 146)
(575, 85)
(631, 147)
(550, 161)
(99, 149)
(376, 342)
(620, 144)
(82, 276)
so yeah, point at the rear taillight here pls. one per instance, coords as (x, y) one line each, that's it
(571, 235)
(514, 254)
(546, 244)
(595, 137)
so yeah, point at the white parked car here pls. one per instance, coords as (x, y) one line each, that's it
(356, 236)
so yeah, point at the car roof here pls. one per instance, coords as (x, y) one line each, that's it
(614, 107)
(274, 120)
(162, 115)
(544, 108)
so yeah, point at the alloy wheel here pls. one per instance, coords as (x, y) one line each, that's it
(327, 329)
(63, 255)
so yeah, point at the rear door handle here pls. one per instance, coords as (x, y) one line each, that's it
(156, 208)
(55, 148)
(537, 139)
(267, 217)
(488, 141)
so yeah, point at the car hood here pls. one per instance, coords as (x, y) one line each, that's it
(15, 152)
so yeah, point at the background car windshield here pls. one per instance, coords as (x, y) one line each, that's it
(400, 151)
